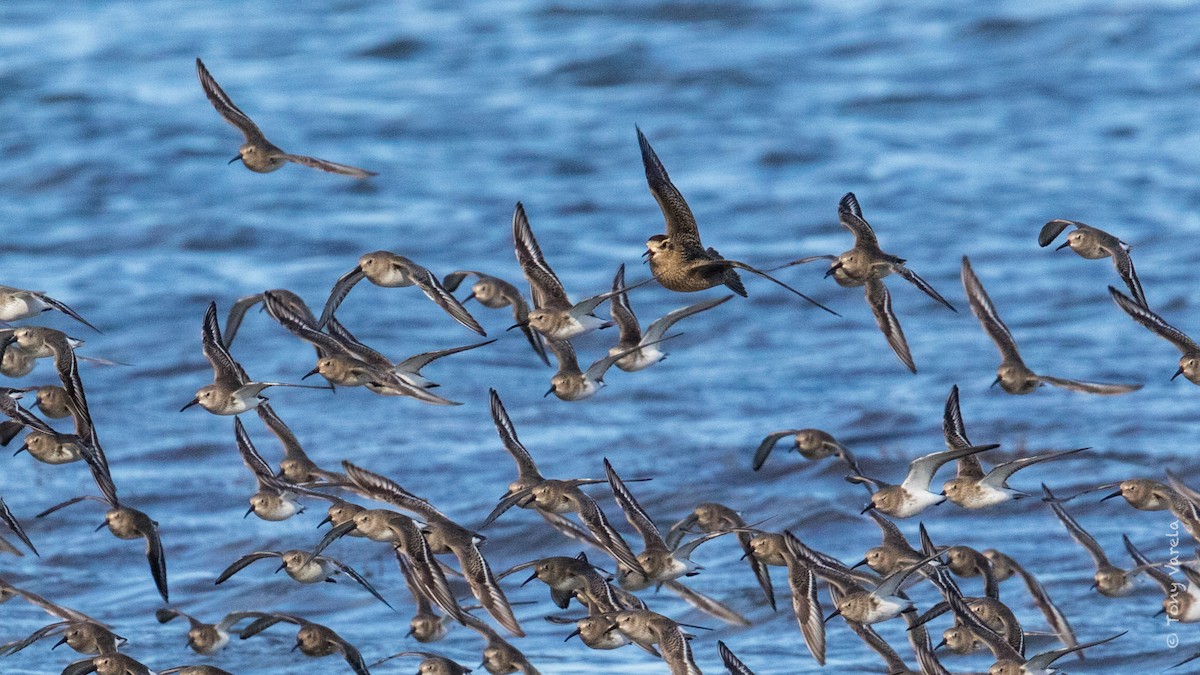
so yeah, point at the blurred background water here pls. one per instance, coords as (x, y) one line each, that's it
(962, 127)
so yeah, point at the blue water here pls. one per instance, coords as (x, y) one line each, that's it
(962, 127)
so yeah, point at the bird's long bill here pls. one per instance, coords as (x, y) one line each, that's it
(1177, 373)
(280, 568)
(326, 519)
(239, 156)
(868, 507)
(296, 646)
(531, 578)
(101, 526)
(21, 449)
(1062, 246)
(548, 391)
(312, 372)
(573, 634)
(468, 298)
(522, 324)
(833, 268)
(646, 253)
(248, 512)
(190, 404)
(1115, 494)
(859, 564)
(939, 645)
(995, 382)
(60, 642)
(830, 617)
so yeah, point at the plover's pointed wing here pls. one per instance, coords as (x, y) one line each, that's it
(564, 353)
(597, 523)
(155, 554)
(291, 446)
(359, 579)
(1054, 616)
(916, 280)
(634, 512)
(62, 307)
(851, 218)
(880, 302)
(237, 312)
(768, 444)
(705, 604)
(952, 422)
(892, 536)
(244, 562)
(221, 101)
(1089, 387)
(999, 475)
(1052, 229)
(1042, 661)
(225, 368)
(985, 311)
(375, 486)
(676, 651)
(681, 224)
(350, 653)
(414, 364)
(807, 607)
(622, 313)
(1124, 265)
(326, 165)
(1154, 322)
(254, 461)
(526, 467)
(433, 289)
(548, 292)
(487, 589)
(338, 293)
(732, 663)
(724, 263)
(894, 663)
(659, 327)
(921, 469)
(1076, 531)
(13, 524)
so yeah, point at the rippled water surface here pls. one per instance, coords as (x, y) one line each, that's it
(962, 127)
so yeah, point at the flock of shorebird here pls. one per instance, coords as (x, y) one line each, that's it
(418, 533)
